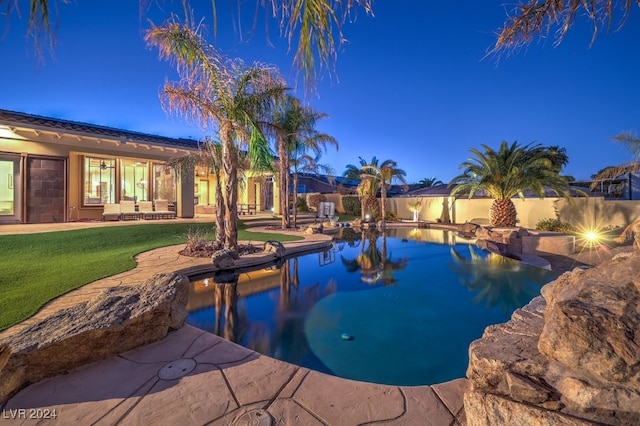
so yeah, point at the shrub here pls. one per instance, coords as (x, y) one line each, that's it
(301, 205)
(196, 239)
(351, 205)
(391, 216)
(316, 199)
(556, 225)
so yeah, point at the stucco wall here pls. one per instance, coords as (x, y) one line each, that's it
(584, 213)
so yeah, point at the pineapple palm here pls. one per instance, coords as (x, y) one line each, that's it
(508, 172)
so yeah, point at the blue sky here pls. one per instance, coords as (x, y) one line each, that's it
(411, 83)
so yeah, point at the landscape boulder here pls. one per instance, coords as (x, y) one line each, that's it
(570, 357)
(117, 320)
(275, 247)
(224, 258)
(314, 229)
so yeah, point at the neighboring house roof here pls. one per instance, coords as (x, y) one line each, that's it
(13, 118)
(442, 190)
(325, 179)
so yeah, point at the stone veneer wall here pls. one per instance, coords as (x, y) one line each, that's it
(570, 357)
(45, 190)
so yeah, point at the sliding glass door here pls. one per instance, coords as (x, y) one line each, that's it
(9, 185)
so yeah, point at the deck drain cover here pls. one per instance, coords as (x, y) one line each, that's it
(177, 369)
(254, 418)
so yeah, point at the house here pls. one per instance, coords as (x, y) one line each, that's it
(623, 187)
(54, 170)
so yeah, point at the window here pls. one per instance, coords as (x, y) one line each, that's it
(134, 176)
(164, 178)
(99, 181)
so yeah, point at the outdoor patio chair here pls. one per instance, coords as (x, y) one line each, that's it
(111, 212)
(162, 210)
(128, 210)
(145, 209)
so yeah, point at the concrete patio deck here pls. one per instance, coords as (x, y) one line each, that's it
(195, 378)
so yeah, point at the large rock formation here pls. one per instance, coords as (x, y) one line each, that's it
(117, 320)
(630, 233)
(571, 356)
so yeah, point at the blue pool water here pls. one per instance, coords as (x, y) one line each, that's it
(396, 309)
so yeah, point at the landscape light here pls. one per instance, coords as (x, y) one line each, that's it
(591, 236)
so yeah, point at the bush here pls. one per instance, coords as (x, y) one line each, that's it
(556, 225)
(351, 206)
(301, 205)
(315, 200)
(391, 216)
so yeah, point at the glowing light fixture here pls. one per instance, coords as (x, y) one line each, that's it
(591, 236)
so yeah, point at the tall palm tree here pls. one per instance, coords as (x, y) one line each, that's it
(508, 172)
(306, 147)
(386, 173)
(293, 126)
(303, 162)
(313, 25)
(540, 17)
(216, 91)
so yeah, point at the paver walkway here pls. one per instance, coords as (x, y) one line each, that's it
(194, 378)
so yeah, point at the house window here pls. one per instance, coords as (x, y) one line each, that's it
(99, 181)
(164, 178)
(134, 176)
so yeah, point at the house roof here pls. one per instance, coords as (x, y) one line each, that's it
(442, 190)
(19, 119)
(338, 180)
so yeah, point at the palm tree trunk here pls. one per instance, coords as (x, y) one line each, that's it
(283, 182)
(220, 213)
(295, 199)
(383, 207)
(229, 167)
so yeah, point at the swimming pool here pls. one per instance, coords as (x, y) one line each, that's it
(399, 308)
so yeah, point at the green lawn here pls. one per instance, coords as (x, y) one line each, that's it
(36, 268)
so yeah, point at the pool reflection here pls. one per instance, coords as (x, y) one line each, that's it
(413, 299)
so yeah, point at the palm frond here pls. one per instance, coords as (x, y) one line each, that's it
(539, 17)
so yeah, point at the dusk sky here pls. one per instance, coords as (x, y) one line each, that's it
(411, 84)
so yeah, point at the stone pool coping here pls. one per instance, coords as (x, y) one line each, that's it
(225, 383)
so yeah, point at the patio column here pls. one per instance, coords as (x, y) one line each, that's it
(185, 195)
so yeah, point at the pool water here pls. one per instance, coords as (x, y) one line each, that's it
(399, 308)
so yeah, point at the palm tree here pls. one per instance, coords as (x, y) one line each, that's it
(429, 182)
(294, 129)
(508, 172)
(367, 186)
(632, 143)
(386, 173)
(314, 25)
(535, 17)
(303, 162)
(214, 90)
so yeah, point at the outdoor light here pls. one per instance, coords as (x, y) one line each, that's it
(591, 236)
(367, 217)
